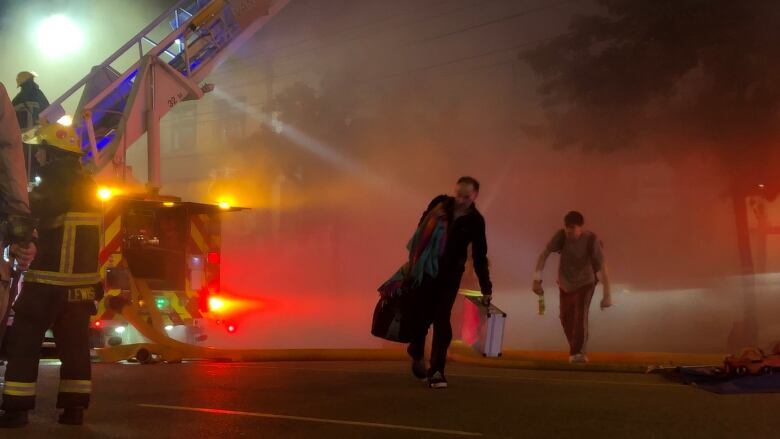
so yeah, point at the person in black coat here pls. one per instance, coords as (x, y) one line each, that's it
(433, 300)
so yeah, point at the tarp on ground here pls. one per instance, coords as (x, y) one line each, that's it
(711, 379)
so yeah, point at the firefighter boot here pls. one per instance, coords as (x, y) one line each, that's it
(72, 416)
(13, 419)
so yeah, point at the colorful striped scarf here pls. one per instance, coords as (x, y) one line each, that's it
(425, 249)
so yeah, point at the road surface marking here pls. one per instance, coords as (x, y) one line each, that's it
(386, 372)
(307, 419)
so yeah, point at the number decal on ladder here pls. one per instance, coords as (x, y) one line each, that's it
(173, 100)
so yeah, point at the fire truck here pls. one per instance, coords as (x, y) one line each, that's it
(175, 247)
(160, 256)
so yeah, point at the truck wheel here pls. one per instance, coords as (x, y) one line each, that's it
(767, 370)
(741, 371)
(114, 341)
(143, 356)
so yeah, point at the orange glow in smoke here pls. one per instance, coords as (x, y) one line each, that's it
(225, 202)
(105, 193)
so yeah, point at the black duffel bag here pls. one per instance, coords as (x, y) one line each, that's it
(389, 322)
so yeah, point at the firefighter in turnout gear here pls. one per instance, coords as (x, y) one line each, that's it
(30, 101)
(62, 284)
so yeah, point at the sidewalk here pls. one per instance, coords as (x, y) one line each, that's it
(633, 362)
(636, 362)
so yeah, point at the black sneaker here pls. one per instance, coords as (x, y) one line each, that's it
(437, 381)
(14, 419)
(418, 369)
(72, 416)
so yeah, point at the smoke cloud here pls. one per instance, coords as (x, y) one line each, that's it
(339, 121)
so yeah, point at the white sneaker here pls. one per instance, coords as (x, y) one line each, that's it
(578, 358)
(437, 381)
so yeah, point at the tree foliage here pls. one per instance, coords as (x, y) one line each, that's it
(680, 75)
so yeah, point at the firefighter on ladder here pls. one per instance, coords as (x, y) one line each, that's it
(30, 101)
(61, 286)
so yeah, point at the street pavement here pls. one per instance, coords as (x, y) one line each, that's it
(382, 400)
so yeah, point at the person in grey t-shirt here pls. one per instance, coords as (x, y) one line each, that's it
(581, 266)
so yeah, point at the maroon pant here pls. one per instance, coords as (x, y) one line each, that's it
(574, 317)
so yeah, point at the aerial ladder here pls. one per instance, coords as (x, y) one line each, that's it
(116, 109)
(151, 284)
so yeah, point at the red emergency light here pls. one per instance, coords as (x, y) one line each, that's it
(216, 304)
(213, 258)
(231, 328)
(98, 324)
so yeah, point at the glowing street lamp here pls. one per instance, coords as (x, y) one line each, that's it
(57, 36)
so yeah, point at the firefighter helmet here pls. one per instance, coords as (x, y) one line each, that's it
(55, 135)
(23, 77)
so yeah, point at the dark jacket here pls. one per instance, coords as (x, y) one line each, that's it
(69, 219)
(28, 104)
(468, 229)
